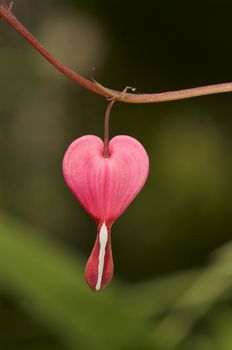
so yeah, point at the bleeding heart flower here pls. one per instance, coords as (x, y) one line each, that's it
(105, 186)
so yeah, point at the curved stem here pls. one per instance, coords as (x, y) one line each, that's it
(106, 152)
(106, 134)
(7, 15)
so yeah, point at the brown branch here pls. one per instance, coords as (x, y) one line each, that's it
(168, 95)
(7, 15)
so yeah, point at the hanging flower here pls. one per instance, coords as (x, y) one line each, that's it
(105, 187)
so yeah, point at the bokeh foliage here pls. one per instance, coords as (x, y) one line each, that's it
(172, 247)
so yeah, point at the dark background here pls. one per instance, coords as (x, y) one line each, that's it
(164, 245)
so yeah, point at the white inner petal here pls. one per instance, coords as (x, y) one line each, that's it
(103, 237)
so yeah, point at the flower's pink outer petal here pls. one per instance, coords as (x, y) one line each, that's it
(84, 169)
(126, 173)
(105, 186)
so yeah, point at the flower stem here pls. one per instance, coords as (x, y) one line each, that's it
(7, 15)
(107, 124)
(106, 153)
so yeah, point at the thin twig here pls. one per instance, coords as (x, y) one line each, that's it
(8, 16)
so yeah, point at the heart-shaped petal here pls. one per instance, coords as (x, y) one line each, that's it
(105, 186)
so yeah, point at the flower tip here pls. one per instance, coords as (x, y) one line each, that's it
(99, 268)
(92, 279)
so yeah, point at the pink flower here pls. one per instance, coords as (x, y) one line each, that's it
(105, 187)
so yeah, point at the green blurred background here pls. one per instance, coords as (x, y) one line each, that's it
(172, 247)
